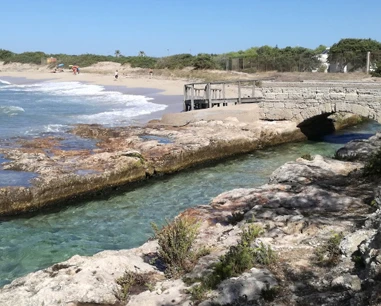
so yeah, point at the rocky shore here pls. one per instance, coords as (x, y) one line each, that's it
(320, 216)
(120, 156)
(124, 155)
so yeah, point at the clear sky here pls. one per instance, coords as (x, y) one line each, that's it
(162, 27)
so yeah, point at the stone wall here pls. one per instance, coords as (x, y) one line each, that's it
(298, 101)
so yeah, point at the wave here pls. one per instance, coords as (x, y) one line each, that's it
(11, 110)
(119, 117)
(5, 82)
(75, 102)
(95, 93)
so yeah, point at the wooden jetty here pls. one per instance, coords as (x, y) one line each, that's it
(210, 94)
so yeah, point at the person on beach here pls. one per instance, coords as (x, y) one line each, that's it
(116, 75)
(150, 73)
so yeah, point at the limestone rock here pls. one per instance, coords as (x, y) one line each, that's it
(249, 285)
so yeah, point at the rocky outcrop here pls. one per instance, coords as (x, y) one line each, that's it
(360, 149)
(125, 155)
(305, 204)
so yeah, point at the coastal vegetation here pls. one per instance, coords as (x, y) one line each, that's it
(176, 245)
(328, 253)
(239, 258)
(353, 51)
(255, 59)
(373, 165)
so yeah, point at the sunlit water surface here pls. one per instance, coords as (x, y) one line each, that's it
(123, 221)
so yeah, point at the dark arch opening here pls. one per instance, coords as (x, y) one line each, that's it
(318, 126)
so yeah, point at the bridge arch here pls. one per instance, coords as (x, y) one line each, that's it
(331, 108)
(302, 101)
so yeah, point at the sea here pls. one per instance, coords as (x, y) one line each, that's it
(37, 108)
(121, 220)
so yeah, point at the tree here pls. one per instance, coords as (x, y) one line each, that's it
(117, 53)
(320, 49)
(204, 61)
(5, 54)
(352, 51)
(142, 53)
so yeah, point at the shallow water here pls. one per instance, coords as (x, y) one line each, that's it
(49, 107)
(123, 221)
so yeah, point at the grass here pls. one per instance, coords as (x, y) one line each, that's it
(328, 254)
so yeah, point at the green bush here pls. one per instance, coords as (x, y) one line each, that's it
(373, 164)
(377, 71)
(241, 257)
(176, 241)
(5, 54)
(204, 61)
(307, 157)
(237, 260)
(134, 283)
(177, 61)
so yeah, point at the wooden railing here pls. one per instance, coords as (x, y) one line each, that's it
(209, 94)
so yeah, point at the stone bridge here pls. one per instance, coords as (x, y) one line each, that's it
(302, 101)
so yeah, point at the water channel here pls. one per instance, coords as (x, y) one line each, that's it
(123, 221)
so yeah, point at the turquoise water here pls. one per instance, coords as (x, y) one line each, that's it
(123, 221)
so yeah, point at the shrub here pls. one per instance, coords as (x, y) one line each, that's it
(176, 241)
(204, 61)
(377, 71)
(328, 254)
(177, 61)
(307, 157)
(133, 283)
(240, 258)
(237, 260)
(373, 165)
(198, 292)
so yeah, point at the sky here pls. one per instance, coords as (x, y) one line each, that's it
(167, 27)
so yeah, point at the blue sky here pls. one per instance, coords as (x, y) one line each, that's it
(162, 27)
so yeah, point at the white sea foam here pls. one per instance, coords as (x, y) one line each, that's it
(54, 128)
(74, 102)
(5, 82)
(11, 110)
(119, 117)
(95, 93)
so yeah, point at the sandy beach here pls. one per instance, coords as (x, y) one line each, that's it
(163, 91)
(165, 86)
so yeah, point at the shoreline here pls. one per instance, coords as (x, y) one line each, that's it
(165, 86)
(163, 95)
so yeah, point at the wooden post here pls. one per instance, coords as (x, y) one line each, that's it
(224, 94)
(185, 97)
(253, 92)
(367, 69)
(209, 95)
(239, 92)
(192, 97)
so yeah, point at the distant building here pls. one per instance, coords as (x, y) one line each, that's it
(323, 58)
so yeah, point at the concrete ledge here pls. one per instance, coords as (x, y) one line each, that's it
(247, 113)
